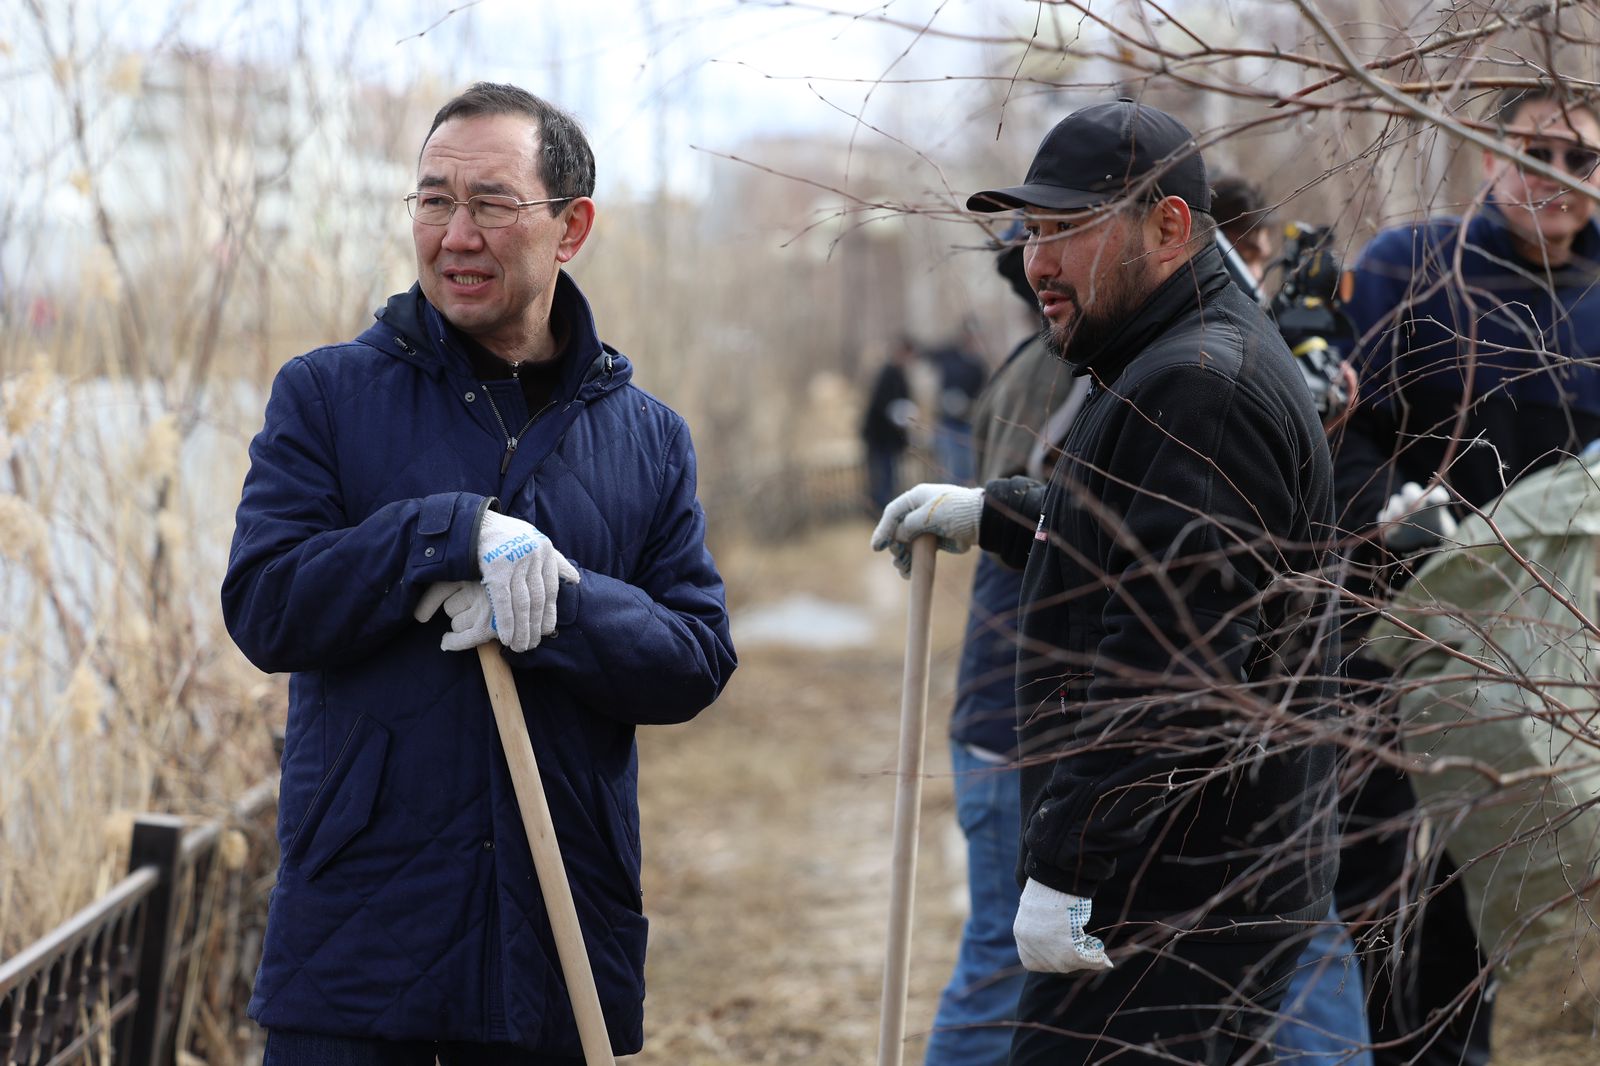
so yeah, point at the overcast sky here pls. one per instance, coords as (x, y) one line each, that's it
(651, 79)
(656, 78)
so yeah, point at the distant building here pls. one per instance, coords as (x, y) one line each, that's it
(288, 175)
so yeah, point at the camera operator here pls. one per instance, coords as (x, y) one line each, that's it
(1478, 336)
(1243, 231)
(1308, 303)
(1309, 310)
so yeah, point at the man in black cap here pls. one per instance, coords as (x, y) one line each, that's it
(1176, 661)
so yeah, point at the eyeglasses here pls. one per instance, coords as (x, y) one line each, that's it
(1578, 161)
(487, 212)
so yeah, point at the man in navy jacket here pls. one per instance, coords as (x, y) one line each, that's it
(478, 448)
(1477, 365)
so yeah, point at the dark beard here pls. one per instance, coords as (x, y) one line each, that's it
(1088, 332)
(1122, 293)
(1079, 341)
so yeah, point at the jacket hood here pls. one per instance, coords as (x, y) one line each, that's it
(1196, 282)
(410, 328)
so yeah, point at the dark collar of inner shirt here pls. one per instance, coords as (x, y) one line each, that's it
(486, 366)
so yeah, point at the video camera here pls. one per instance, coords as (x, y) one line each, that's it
(1309, 310)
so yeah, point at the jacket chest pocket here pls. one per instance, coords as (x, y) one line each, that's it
(344, 801)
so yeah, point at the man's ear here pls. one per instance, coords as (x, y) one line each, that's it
(1168, 226)
(580, 223)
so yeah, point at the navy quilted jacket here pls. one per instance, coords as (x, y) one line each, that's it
(406, 905)
(1464, 341)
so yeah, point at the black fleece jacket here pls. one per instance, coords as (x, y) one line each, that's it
(1177, 647)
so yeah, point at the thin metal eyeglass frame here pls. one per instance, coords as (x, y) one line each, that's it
(410, 199)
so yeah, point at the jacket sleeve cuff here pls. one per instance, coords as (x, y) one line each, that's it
(1053, 852)
(1081, 882)
(445, 544)
(567, 597)
(1011, 508)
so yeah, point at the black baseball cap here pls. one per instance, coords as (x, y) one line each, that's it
(1096, 153)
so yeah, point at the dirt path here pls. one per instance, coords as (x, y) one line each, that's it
(767, 829)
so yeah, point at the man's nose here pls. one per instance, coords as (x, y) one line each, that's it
(1039, 263)
(461, 232)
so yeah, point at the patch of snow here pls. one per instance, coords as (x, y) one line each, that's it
(804, 621)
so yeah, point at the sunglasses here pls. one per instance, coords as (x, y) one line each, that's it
(1578, 161)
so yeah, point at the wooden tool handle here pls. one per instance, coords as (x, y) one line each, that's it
(907, 802)
(563, 914)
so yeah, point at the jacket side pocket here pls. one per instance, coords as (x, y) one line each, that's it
(619, 835)
(343, 804)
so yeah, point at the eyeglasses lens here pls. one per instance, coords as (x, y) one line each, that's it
(488, 212)
(492, 212)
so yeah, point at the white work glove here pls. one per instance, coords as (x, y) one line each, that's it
(1414, 519)
(521, 572)
(949, 512)
(1049, 932)
(467, 604)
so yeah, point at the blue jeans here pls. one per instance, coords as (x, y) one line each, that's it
(882, 476)
(952, 449)
(288, 1047)
(979, 1005)
(1324, 1011)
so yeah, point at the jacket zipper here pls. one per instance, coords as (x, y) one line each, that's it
(514, 440)
(511, 441)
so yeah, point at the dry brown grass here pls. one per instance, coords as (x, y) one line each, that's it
(119, 691)
(1549, 1016)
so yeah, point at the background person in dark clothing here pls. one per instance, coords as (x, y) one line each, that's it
(1176, 668)
(1477, 366)
(961, 377)
(889, 412)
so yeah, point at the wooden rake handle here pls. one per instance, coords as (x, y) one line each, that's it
(907, 802)
(563, 914)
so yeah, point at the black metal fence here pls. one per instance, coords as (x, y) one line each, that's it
(158, 970)
(791, 498)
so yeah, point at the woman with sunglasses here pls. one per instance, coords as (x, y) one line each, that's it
(1478, 364)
